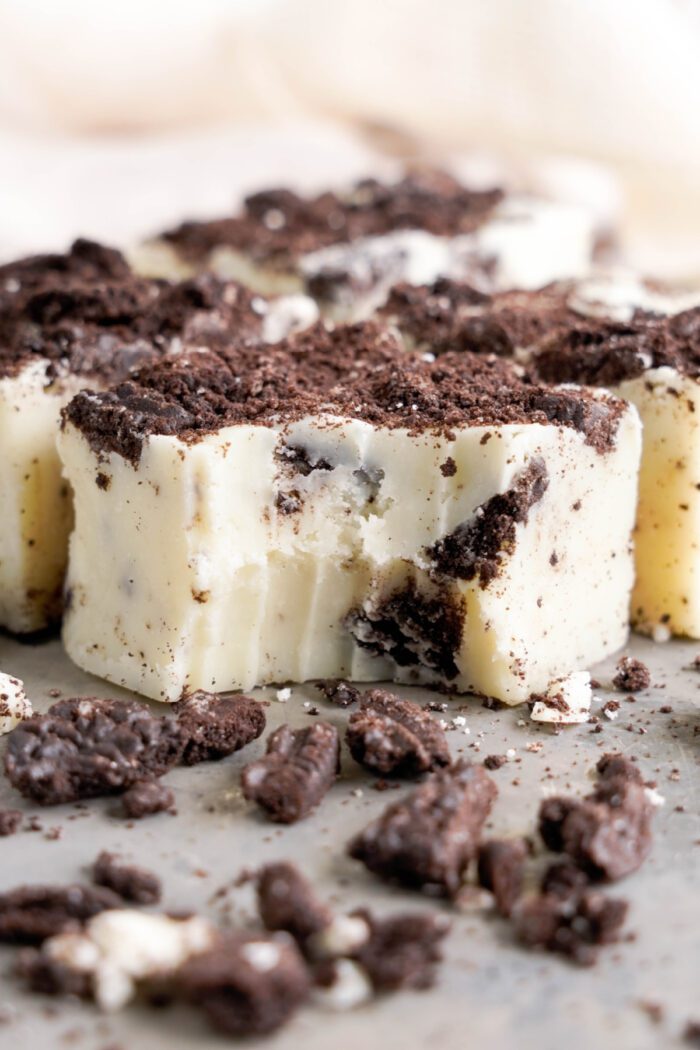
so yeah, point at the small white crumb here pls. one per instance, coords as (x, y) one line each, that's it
(283, 695)
(534, 746)
(428, 357)
(521, 722)
(611, 712)
(510, 753)
(263, 956)
(654, 796)
(343, 935)
(566, 701)
(357, 792)
(351, 987)
(459, 721)
(661, 632)
(14, 706)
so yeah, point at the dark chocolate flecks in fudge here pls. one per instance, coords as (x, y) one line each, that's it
(214, 726)
(389, 735)
(413, 629)
(477, 547)
(296, 772)
(632, 675)
(130, 881)
(402, 951)
(348, 371)
(572, 926)
(30, 914)
(146, 797)
(277, 226)
(85, 313)
(429, 837)
(248, 984)
(501, 869)
(85, 747)
(287, 901)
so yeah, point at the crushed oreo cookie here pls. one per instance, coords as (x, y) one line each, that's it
(146, 797)
(247, 984)
(287, 901)
(572, 926)
(477, 548)
(296, 772)
(85, 747)
(389, 735)
(501, 870)
(30, 914)
(632, 675)
(428, 838)
(131, 882)
(402, 951)
(10, 820)
(340, 693)
(214, 726)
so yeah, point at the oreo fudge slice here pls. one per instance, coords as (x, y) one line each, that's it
(634, 337)
(68, 322)
(342, 509)
(348, 247)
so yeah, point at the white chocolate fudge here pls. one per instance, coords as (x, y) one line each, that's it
(347, 249)
(14, 705)
(636, 338)
(83, 320)
(345, 509)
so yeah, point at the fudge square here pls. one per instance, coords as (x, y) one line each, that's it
(632, 336)
(337, 507)
(347, 248)
(69, 321)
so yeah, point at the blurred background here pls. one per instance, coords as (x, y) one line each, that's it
(117, 119)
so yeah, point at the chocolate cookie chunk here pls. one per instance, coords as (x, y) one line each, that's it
(614, 764)
(295, 774)
(393, 736)
(632, 675)
(129, 881)
(429, 837)
(47, 976)
(10, 820)
(85, 747)
(575, 928)
(337, 692)
(553, 813)
(247, 985)
(501, 869)
(287, 901)
(30, 914)
(402, 951)
(146, 797)
(215, 726)
(564, 879)
(609, 834)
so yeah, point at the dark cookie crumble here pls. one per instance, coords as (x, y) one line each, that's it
(428, 838)
(214, 726)
(389, 735)
(299, 767)
(130, 881)
(85, 747)
(348, 371)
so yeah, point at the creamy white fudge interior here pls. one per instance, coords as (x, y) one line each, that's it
(636, 338)
(84, 320)
(337, 507)
(348, 248)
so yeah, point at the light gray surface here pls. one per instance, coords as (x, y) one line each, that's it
(490, 993)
